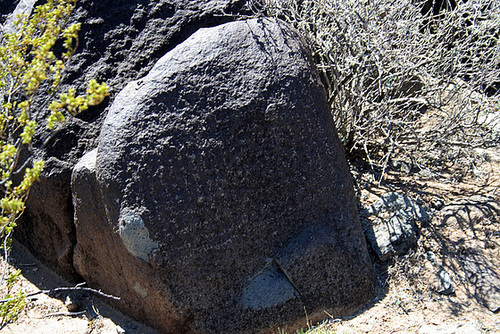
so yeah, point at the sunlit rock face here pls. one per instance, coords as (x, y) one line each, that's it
(224, 202)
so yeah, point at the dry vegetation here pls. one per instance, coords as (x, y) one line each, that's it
(405, 84)
(416, 102)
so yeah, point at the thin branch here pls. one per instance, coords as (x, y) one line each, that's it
(77, 287)
(69, 314)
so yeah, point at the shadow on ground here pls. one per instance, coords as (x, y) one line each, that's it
(82, 303)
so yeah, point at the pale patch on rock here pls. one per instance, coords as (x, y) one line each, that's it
(269, 288)
(135, 237)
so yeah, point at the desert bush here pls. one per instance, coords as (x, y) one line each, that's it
(30, 77)
(401, 83)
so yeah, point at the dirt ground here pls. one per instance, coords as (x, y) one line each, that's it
(408, 300)
(49, 314)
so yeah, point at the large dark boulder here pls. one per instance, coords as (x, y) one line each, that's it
(100, 257)
(120, 40)
(228, 202)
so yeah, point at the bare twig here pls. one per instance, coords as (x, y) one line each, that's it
(384, 66)
(77, 287)
(69, 314)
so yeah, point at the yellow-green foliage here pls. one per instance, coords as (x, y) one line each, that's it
(13, 302)
(28, 63)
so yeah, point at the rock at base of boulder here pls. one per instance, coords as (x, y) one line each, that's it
(390, 224)
(45, 229)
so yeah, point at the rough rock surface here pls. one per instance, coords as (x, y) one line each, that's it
(47, 229)
(119, 41)
(390, 224)
(228, 199)
(98, 256)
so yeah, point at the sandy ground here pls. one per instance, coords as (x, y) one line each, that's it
(46, 314)
(409, 301)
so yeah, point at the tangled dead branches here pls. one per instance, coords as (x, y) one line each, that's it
(400, 83)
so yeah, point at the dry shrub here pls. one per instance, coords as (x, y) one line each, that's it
(401, 83)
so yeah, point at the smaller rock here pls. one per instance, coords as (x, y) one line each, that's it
(390, 224)
(73, 303)
(446, 285)
(120, 330)
(431, 257)
(394, 202)
(425, 173)
(437, 203)
(403, 167)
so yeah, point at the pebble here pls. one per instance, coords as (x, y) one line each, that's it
(446, 285)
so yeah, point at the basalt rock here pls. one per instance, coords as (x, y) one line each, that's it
(390, 224)
(119, 41)
(6, 8)
(219, 199)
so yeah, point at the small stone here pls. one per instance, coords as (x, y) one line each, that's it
(431, 257)
(437, 203)
(425, 173)
(446, 285)
(403, 167)
(72, 303)
(419, 200)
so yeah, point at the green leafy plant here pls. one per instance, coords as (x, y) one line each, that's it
(14, 302)
(30, 78)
